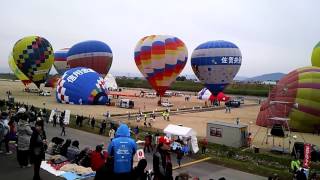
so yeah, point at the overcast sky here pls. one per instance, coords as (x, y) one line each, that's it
(273, 35)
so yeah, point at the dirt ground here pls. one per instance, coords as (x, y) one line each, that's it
(197, 121)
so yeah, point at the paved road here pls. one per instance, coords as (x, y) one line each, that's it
(9, 168)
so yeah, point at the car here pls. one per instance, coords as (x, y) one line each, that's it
(44, 93)
(233, 103)
(240, 99)
(298, 151)
(166, 104)
(126, 103)
(151, 95)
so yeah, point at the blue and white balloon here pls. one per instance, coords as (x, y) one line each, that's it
(81, 86)
(216, 63)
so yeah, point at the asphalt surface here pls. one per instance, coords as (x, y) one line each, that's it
(9, 168)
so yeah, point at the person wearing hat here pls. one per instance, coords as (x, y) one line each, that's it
(4, 131)
(162, 166)
(24, 133)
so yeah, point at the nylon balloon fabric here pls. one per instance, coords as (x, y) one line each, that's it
(81, 86)
(160, 58)
(33, 55)
(216, 63)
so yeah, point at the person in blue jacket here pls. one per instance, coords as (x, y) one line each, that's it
(122, 148)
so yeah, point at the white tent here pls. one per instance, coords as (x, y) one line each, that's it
(204, 94)
(184, 132)
(110, 82)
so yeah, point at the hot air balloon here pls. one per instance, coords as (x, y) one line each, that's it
(297, 97)
(315, 58)
(81, 86)
(96, 55)
(205, 94)
(160, 58)
(60, 60)
(110, 82)
(33, 55)
(216, 63)
(16, 71)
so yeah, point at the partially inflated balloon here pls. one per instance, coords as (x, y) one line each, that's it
(81, 86)
(96, 55)
(160, 58)
(16, 71)
(34, 57)
(315, 58)
(216, 63)
(297, 97)
(60, 60)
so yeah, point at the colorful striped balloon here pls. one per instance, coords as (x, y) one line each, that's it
(16, 71)
(160, 58)
(60, 60)
(315, 57)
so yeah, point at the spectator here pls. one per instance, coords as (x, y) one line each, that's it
(64, 148)
(81, 120)
(295, 165)
(104, 126)
(301, 175)
(63, 129)
(162, 166)
(147, 143)
(4, 131)
(73, 151)
(37, 148)
(139, 173)
(24, 134)
(122, 148)
(54, 120)
(84, 158)
(97, 158)
(204, 145)
(93, 122)
(179, 156)
(111, 133)
(136, 131)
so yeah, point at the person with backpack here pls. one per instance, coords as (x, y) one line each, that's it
(122, 148)
(4, 131)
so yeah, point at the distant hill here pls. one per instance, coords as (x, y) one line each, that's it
(267, 77)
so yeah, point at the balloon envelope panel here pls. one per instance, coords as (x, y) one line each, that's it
(34, 57)
(96, 55)
(16, 71)
(60, 60)
(315, 58)
(297, 97)
(216, 63)
(81, 86)
(160, 58)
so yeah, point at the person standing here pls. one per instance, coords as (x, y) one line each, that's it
(122, 148)
(54, 120)
(104, 126)
(204, 145)
(147, 143)
(4, 131)
(162, 166)
(111, 133)
(179, 156)
(24, 133)
(93, 122)
(63, 129)
(37, 148)
(98, 159)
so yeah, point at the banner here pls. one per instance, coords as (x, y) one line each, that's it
(307, 155)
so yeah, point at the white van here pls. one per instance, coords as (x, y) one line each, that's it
(126, 103)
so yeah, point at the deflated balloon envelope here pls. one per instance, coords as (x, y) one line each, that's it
(34, 57)
(216, 63)
(81, 86)
(160, 58)
(92, 54)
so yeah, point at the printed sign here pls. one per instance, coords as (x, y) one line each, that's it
(307, 155)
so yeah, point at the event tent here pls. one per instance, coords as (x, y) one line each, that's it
(184, 132)
(110, 82)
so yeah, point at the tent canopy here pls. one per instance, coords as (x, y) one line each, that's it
(179, 130)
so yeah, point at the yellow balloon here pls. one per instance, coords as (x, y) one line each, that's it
(315, 57)
(16, 71)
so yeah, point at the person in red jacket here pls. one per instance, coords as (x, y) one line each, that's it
(98, 159)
